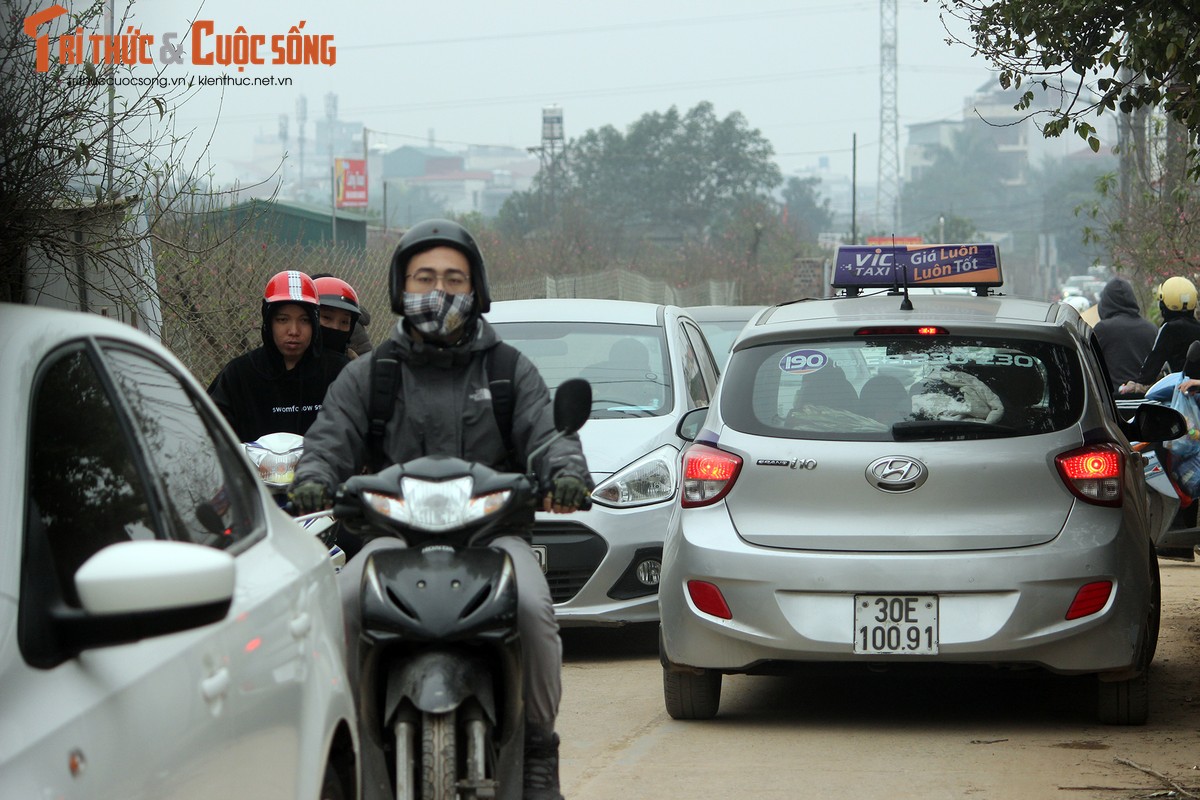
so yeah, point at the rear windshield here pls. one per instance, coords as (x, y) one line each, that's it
(903, 388)
(626, 364)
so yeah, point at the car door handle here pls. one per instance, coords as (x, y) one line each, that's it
(301, 625)
(215, 686)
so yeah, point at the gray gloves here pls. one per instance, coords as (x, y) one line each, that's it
(310, 497)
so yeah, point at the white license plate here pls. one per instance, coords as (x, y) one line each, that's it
(539, 552)
(896, 624)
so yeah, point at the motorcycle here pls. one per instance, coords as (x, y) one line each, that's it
(1173, 512)
(275, 456)
(442, 676)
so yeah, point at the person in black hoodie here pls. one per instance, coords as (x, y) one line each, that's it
(1125, 336)
(280, 386)
(1177, 303)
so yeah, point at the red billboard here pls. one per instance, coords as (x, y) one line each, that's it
(350, 182)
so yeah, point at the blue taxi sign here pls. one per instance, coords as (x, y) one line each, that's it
(877, 267)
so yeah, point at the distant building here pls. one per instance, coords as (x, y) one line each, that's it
(291, 222)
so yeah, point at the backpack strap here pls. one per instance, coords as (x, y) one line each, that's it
(385, 382)
(500, 364)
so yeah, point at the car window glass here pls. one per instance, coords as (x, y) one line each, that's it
(693, 379)
(875, 389)
(626, 364)
(704, 354)
(83, 477)
(209, 498)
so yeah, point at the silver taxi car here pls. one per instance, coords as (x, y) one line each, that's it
(888, 479)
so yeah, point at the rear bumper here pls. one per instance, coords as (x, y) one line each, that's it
(998, 607)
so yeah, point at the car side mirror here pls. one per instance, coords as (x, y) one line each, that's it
(1155, 423)
(690, 424)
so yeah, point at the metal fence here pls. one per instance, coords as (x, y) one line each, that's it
(211, 292)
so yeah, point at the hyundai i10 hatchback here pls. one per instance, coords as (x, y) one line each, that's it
(891, 480)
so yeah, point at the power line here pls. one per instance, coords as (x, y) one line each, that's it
(723, 19)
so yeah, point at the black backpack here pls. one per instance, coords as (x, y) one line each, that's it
(500, 364)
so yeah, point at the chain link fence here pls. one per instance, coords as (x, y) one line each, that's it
(211, 288)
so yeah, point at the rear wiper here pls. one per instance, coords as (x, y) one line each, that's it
(935, 429)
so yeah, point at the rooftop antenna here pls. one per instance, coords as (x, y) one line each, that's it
(900, 278)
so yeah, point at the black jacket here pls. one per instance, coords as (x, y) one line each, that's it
(1178, 331)
(258, 395)
(1125, 336)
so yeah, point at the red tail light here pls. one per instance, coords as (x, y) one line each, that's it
(708, 475)
(1089, 599)
(708, 598)
(1094, 473)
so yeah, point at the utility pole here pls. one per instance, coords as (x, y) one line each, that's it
(887, 197)
(301, 120)
(331, 122)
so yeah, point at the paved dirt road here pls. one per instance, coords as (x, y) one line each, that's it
(879, 736)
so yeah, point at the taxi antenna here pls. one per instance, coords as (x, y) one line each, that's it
(900, 275)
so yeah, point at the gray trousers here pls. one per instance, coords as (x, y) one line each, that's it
(536, 623)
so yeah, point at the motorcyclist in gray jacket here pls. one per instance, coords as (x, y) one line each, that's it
(443, 406)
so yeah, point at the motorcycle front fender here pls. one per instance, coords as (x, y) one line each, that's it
(438, 681)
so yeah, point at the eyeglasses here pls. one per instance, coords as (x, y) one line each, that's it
(454, 282)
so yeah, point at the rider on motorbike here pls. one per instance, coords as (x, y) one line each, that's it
(1177, 305)
(279, 386)
(444, 406)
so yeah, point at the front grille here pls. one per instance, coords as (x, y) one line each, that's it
(573, 552)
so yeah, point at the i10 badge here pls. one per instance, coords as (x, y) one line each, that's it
(896, 624)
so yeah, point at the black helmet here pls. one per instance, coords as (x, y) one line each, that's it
(438, 233)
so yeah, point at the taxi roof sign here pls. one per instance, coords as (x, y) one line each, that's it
(858, 267)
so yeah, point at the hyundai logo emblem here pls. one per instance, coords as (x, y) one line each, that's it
(896, 474)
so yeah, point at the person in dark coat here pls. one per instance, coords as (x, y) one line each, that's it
(280, 386)
(1177, 303)
(1125, 336)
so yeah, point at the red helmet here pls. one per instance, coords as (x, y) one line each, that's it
(291, 286)
(336, 293)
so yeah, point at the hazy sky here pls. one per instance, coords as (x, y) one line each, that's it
(805, 73)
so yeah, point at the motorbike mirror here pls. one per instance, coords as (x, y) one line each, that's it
(572, 405)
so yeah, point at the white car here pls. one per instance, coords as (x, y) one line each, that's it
(166, 631)
(648, 364)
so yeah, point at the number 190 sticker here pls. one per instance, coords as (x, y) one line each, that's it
(802, 362)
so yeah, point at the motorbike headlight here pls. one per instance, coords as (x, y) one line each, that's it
(650, 479)
(436, 506)
(277, 470)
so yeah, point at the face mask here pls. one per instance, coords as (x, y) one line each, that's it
(335, 340)
(438, 315)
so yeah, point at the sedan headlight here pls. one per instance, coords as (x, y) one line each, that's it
(650, 479)
(436, 505)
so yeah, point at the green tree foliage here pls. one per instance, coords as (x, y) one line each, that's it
(1151, 229)
(808, 215)
(1091, 56)
(671, 173)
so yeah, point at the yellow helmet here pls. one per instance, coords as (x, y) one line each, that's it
(1177, 294)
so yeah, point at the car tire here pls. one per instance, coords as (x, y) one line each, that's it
(692, 694)
(1125, 702)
